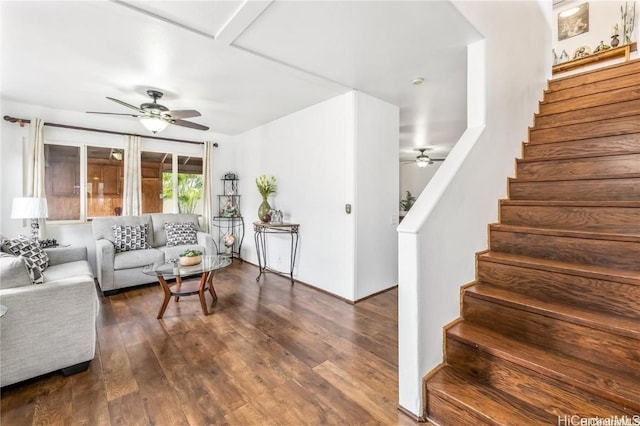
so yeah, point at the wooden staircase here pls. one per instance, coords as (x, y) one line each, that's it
(551, 327)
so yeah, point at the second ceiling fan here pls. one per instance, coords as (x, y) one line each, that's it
(156, 117)
(422, 160)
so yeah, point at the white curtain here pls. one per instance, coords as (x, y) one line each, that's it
(208, 211)
(132, 192)
(34, 160)
(33, 166)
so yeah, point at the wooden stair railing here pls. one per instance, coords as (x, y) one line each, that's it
(550, 328)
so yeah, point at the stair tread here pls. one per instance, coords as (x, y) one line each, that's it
(562, 203)
(492, 405)
(596, 71)
(594, 271)
(617, 386)
(573, 157)
(592, 100)
(590, 318)
(631, 237)
(573, 178)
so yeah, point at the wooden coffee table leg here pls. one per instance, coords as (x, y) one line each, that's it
(211, 289)
(203, 301)
(167, 295)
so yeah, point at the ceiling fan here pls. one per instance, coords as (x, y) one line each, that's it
(156, 117)
(422, 160)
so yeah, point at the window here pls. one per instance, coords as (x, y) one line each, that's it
(187, 185)
(104, 181)
(62, 181)
(83, 182)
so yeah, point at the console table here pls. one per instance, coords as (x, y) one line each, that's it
(261, 230)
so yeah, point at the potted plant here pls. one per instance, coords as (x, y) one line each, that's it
(190, 257)
(407, 203)
(266, 186)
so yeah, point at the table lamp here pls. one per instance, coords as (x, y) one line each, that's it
(33, 208)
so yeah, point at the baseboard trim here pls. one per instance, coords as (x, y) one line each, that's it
(419, 419)
(351, 302)
(376, 293)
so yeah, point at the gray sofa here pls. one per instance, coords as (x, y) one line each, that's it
(116, 270)
(49, 326)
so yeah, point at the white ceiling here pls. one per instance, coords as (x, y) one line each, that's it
(242, 64)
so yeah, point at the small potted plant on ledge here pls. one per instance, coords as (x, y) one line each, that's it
(406, 204)
(190, 257)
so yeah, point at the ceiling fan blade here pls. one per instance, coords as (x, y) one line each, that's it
(183, 113)
(190, 124)
(126, 104)
(438, 159)
(113, 113)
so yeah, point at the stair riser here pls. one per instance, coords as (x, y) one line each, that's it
(590, 101)
(616, 254)
(541, 390)
(599, 295)
(609, 127)
(602, 74)
(624, 189)
(581, 167)
(616, 220)
(591, 345)
(602, 112)
(602, 86)
(444, 413)
(610, 145)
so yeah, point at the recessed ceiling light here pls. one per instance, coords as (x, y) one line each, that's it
(417, 81)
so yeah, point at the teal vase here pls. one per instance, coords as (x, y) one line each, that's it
(264, 208)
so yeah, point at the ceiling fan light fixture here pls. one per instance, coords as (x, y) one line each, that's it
(423, 161)
(154, 124)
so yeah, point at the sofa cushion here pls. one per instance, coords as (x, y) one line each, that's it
(24, 246)
(137, 258)
(13, 271)
(171, 253)
(35, 273)
(102, 226)
(65, 270)
(160, 219)
(180, 233)
(130, 237)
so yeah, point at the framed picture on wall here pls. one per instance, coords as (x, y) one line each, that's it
(573, 21)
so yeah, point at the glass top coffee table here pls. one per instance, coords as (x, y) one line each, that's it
(170, 270)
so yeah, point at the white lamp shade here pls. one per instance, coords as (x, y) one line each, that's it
(154, 124)
(29, 208)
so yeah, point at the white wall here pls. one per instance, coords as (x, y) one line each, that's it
(12, 138)
(448, 224)
(312, 153)
(306, 151)
(376, 209)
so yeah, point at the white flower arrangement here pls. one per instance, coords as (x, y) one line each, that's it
(266, 185)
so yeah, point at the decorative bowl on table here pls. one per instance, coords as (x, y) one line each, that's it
(190, 257)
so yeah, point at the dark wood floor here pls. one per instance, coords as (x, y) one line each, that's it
(270, 354)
